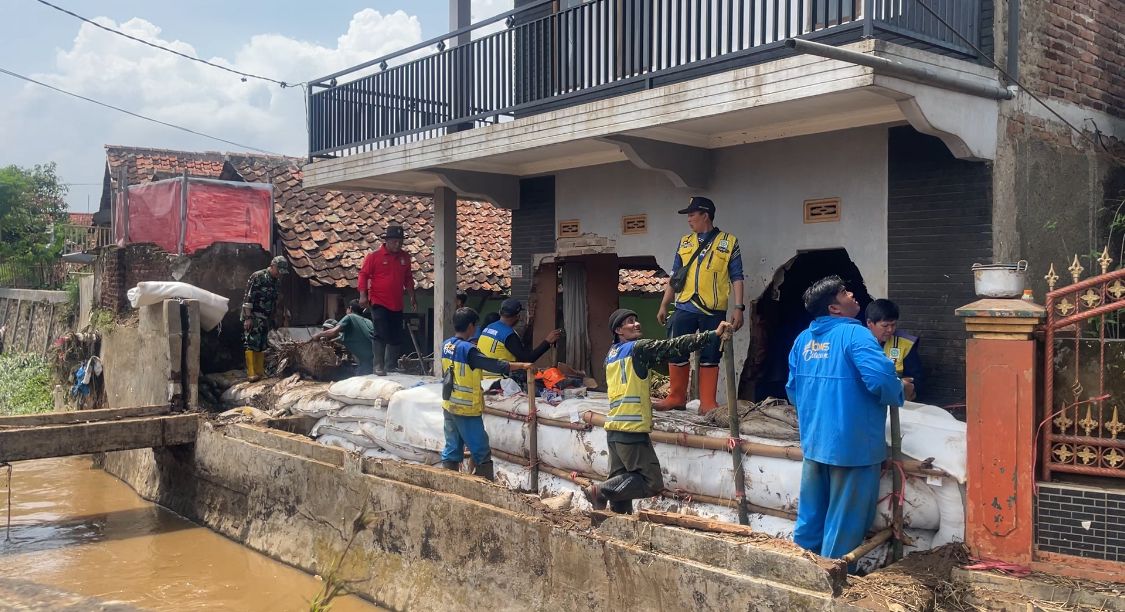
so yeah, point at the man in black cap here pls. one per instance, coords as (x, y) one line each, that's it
(499, 340)
(706, 278)
(384, 276)
(634, 469)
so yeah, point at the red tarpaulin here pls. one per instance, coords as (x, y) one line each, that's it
(216, 211)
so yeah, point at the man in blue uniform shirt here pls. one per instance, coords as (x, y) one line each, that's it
(841, 383)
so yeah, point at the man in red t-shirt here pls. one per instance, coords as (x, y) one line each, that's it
(382, 279)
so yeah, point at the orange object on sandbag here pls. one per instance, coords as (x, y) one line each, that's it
(551, 377)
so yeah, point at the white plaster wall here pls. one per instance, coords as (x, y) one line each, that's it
(759, 191)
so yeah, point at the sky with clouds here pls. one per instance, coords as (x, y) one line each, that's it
(286, 40)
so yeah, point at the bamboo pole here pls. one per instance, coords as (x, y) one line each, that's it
(533, 431)
(515, 416)
(897, 484)
(793, 453)
(869, 545)
(693, 522)
(735, 449)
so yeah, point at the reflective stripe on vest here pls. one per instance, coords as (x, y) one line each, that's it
(630, 402)
(897, 348)
(467, 398)
(491, 343)
(708, 279)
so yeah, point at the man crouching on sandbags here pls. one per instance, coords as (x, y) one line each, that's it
(462, 366)
(634, 469)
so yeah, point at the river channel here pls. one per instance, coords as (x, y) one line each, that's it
(78, 529)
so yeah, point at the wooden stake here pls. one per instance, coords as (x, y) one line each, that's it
(735, 449)
(897, 484)
(693, 522)
(533, 431)
(869, 545)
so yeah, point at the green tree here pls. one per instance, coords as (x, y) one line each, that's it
(30, 201)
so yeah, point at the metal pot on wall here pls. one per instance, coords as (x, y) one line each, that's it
(1000, 280)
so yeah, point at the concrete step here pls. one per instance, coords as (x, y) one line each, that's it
(995, 591)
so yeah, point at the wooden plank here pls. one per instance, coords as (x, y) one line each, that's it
(693, 522)
(81, 416)
(97, 437)
(50, 331)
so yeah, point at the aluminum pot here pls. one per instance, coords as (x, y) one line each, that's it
(1000, 280)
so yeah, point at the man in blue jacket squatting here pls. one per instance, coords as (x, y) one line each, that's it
(841, 383)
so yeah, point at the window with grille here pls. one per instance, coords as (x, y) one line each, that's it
(822, 211)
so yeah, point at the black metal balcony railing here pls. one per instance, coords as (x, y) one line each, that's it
(595, 50)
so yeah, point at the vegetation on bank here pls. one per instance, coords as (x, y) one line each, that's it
(25, 385)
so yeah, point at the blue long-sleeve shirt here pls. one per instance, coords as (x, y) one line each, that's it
(841, 383)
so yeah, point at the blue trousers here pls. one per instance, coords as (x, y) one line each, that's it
(837, 506)
(462, 431)
(685, 322)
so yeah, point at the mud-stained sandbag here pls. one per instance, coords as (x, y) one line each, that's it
(288, 400)
(245, 393)
(919, 508)
(771, 419)
(364, 390)
(339, 442)
(580, 451)
(414, 418)
(376, 413)
(951, 506)
(348, 430)
(929, 431)
(316, 405)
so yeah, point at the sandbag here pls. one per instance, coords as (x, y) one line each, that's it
(316, 405)
(339, 442)
(287, 401)
(212, 307)
(919, 509)
(364, 390)
(362, 412)
(951, 506)
(414, 418)
(929, 431)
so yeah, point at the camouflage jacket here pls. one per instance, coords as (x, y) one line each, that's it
(649, 353)
(262, 294)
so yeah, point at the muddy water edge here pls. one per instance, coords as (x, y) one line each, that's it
(78, 529)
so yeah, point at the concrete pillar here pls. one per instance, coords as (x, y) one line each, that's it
(445, 268)
(1000, 386)
(460, 15)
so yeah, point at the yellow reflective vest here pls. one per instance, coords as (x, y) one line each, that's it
(467, 398)
(630, 402)
(897, 348)
(491, 343)
(708, 279)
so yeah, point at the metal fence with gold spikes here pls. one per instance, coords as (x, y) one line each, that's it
(1084, 373)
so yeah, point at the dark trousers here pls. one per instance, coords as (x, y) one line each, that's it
(685, 322)
(387, 336)
(634, 473)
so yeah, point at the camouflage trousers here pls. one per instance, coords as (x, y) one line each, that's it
(258, 337)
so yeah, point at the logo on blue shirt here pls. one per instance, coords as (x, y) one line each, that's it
(816, 350)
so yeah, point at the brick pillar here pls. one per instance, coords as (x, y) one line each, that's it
(1000, 381)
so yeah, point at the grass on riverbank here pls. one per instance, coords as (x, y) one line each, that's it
(25, 385)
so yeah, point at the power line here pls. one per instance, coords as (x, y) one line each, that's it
(244, 75)
(131, 113)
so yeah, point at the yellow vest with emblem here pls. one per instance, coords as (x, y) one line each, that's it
(897, 348)
(630, 402)
(491, 343)
(467, 398)
(708, 279)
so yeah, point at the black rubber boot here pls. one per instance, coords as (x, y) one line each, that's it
(379, 349)
(622, 507)
(594, 497)
(485, 471)
(451, 465)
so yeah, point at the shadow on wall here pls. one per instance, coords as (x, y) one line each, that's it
(779, 316)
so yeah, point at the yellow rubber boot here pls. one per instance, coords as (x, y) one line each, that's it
(251, 367)
(677, 388)
(260, 363)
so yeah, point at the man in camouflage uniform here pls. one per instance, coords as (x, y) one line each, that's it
(262, 293)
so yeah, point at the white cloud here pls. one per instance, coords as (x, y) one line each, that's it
(40, 125)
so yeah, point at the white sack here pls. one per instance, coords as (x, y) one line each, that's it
(364, 390)
(212, 307)
(929, 431)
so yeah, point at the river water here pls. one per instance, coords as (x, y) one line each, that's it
(78, 529)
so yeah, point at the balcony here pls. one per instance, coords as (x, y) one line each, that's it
(599, 49)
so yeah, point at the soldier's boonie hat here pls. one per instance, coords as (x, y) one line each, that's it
(281, 263)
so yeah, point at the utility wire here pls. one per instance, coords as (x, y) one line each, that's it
(1097, 143)
(131, 113)
(244, 75)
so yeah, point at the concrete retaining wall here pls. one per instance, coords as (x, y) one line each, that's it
(441, 540)
(143, 361)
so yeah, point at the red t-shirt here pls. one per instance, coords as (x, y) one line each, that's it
(384, 276)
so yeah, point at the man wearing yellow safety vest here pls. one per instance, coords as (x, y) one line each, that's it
(499, 339)
(462, 366)
(706, 278)
(634, 469)
(901, 348)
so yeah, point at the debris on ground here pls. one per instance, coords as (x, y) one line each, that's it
(311, 358)
(770, 418)
(921, 581)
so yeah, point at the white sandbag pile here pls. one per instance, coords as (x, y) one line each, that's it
(411, 427)
(212, 307)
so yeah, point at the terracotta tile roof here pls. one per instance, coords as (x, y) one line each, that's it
(84, 219)
(641, 281)
(326, 234)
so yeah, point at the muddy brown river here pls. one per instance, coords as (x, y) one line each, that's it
(77, 529)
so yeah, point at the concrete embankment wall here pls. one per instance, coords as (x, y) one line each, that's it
(441, 540)
(144, 362)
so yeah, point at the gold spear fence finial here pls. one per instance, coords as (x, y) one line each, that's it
(1076, 269)
(1051, 278)
(1105, 261)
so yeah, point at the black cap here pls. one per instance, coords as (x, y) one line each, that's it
(511, 307)
(393, 232)
(617, 318)
(701, 204)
